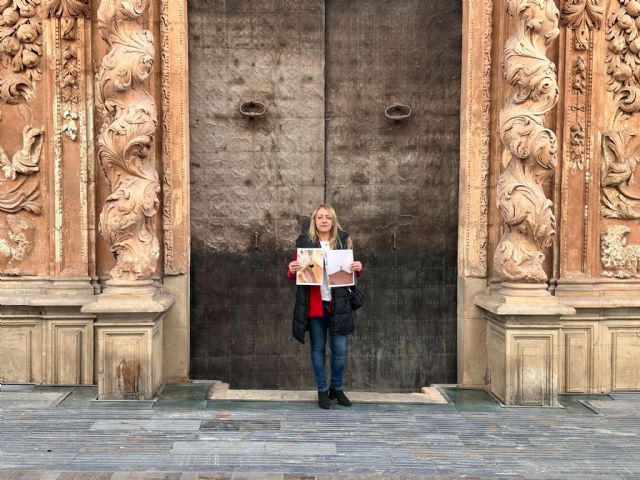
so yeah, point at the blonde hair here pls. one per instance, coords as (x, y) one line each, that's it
(335, 225)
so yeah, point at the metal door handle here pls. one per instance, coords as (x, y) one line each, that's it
(397, 111)
(252, 109)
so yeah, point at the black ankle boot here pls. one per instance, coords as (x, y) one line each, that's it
(323, 400)
(339, 394)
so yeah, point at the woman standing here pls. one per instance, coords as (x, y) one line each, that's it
(322, 310)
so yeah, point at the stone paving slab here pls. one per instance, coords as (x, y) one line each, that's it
(427, 395)
(65, 475)
(17, 399)
(236, 439)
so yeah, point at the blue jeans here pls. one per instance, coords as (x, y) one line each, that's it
(318, 331)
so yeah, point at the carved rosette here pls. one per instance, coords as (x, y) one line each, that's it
(529, 223)
(125, 140)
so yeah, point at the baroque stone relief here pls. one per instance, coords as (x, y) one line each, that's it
(127, 221)
(67, 11)
(20, 56)
(68, 8)
(620, 193)
(20, 37)
(582, 16)
(619, 259)
(529, 223)
(17, 244)
(20, 52)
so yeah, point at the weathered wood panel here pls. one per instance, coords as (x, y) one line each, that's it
(255, 181)
(395, 182)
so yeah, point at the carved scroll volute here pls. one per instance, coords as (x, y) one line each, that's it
(529, 223)
(125, 140)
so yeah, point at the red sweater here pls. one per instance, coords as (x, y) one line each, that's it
(315, 297)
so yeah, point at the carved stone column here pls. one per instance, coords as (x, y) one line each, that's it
(522, 316)
(130, 311)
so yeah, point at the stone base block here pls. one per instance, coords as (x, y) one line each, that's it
(522, 363)
(129, 358)
(128, 330)
(536, 352)
(522, 345)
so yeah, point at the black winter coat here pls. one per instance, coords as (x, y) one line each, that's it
(342, 316)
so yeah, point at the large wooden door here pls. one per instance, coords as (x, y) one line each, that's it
(325, 72)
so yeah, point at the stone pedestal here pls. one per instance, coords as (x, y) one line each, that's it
(523, 344)
(128, 332)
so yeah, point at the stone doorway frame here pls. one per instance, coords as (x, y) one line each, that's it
(475, 104)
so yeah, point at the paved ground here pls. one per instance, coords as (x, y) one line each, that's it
(60, 434)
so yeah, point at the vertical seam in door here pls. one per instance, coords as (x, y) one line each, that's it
(326, 92)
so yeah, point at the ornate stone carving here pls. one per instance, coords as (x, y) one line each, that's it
(582, 16)
(15, 87)
(483, 229)
(18, 243)
(125, 140)
(167, 183)
(619, 259)
(70, 91)
(577, 147)
(475, 156)
(175, 108)
(624, 46)
(20, 50)
(27, 159)
(23, 193)
(529, 223)
(20, 37)
(620, 192)
(579, 76)
(68, 8)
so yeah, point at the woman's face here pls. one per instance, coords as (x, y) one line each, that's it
(323, 221)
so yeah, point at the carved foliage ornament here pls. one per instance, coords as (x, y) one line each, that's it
(125, 140)
(620, 193)
(68, 8)
(582, 16)
(20, 189)
(623, 56)
(529, 224)
(20, 37)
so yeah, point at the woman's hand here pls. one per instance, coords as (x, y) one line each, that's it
(356, 266)
(295, 266)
